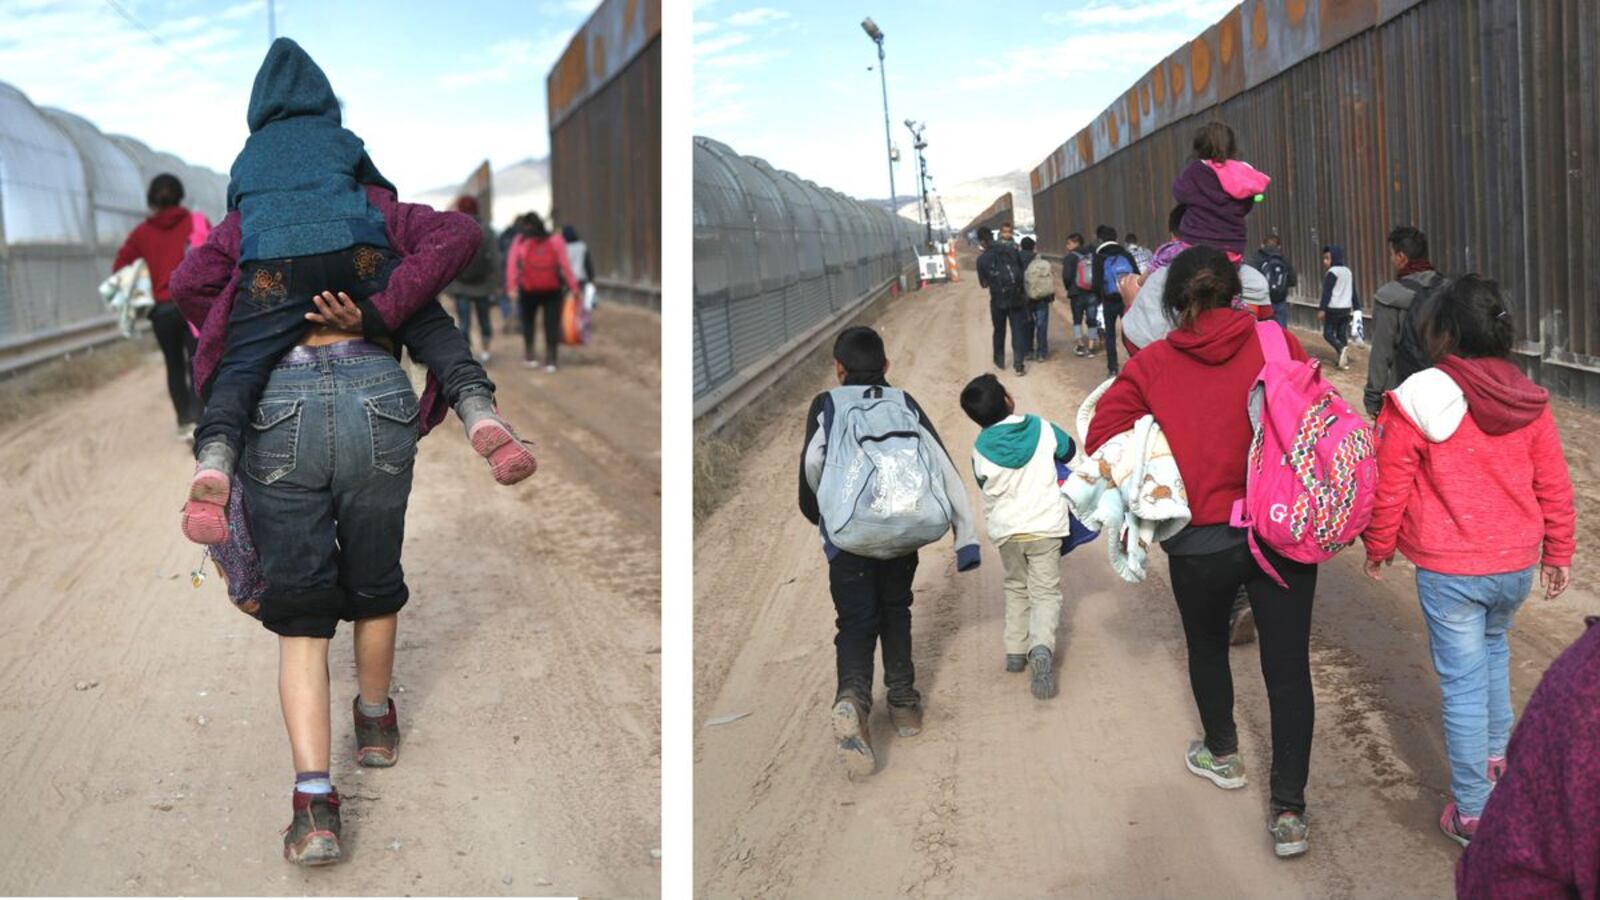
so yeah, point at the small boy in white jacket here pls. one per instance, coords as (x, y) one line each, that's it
(1015, 462)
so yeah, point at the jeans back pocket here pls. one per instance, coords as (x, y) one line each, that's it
(271, 448)
(392, 418)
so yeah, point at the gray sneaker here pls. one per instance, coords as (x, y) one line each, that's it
(854, 737)
(1043, 681)
(1289, 831)
(1226, 772)
(1016, 662)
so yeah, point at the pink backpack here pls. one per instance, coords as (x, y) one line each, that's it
(1313, 469)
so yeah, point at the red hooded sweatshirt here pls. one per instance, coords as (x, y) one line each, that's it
(1471, 477)
(1196, 382)
(160, 241)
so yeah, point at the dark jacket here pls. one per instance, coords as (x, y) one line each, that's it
(1330, 280)
(297, 184)
(1069, 273)
(989, 262)
(489, 262)
(1266, 253)
(1391, 305)
(1101, 254)
(1213, 217)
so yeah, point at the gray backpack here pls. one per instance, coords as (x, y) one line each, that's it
(882, 492)
(1038, 281)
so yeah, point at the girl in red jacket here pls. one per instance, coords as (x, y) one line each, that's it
(1473, 489)
(1196, 382)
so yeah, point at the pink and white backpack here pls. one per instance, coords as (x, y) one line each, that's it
(1313, 469)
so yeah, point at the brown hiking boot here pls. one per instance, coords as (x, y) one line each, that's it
(312, 838)
(377, 737)
(854, 737)
(907, 719)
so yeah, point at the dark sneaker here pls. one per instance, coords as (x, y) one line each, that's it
(1079, 351)
(377, 737)
(907, 719)
(1241, 621)
(1016, 662)
(1043, 681)
(999, 362)
(853, 737)
(312, 838)
(1226, 772)
(1018, 368)
(1289, 831)
(1457, 827)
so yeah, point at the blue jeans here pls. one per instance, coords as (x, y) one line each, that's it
(1467, 619)
(1280, 312)
(1040, 311)
(465, 306)
(327, 465)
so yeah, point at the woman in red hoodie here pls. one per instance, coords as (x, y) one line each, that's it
(161, 241)
(1473, 488)
(1196, 382)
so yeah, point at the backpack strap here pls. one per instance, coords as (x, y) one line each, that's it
(1273, 345)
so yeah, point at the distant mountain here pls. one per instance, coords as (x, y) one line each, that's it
(964, 201)
(521, 187)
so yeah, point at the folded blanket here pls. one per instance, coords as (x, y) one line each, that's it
(1131, 489)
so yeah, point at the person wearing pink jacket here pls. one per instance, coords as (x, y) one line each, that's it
(1473, 488)
(537, 268)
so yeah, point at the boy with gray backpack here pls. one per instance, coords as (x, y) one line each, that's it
(878, 484)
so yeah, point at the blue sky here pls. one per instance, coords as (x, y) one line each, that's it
(432, 87)
(1000, 85)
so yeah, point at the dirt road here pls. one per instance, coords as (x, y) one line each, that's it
(1085, 794)
(143, 749)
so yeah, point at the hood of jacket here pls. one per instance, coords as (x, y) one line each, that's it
(1397, 295)
(1215, 337)
(1335, 252)
(290, 84)
(170, 218)
(1494, 392)
(1010, 443)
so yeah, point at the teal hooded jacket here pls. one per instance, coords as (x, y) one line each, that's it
(297, 184)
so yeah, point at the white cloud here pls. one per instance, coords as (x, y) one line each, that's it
(510, 59)
(703, 26)
(717, 45)
(755, 18)
(244, 10)
(1118, 15)
(742, 60)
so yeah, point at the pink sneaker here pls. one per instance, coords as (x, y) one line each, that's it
(205, 515)
(1497, 769)
(509, 458)
(1457, 827)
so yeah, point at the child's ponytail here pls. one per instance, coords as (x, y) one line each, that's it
(1471, 320)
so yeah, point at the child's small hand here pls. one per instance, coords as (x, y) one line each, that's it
(1554, 580)
(1373, 568)
(336, 312)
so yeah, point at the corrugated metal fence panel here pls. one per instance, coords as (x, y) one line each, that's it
(775, 256)
(605, 175)
(1475, 120)
(999, 211)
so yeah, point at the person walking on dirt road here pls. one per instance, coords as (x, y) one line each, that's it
(479, 283)
(1473, 488)
(1000, 270)
(1195, 382)
(540, 273)
(161, 241)
(872, 593)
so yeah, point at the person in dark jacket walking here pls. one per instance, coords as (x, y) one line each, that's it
(1000, 270)
(475, 288)
(1085, 325)
(1110, 254)
(1339, 303)
(161, 240)
(1280, 274)
(1394, 318)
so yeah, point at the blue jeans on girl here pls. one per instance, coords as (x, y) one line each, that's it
(1467, 617)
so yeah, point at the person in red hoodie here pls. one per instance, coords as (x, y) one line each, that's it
(1473, 488)
(161, 240)
(1196, 382)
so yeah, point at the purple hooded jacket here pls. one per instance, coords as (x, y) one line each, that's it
(435, 245)
(1540, 833)
(1213, 217)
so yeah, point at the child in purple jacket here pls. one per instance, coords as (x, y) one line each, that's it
(1217, 190)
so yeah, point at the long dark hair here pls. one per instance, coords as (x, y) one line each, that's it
(533, 225)
(1468, 319)
(1200, 278)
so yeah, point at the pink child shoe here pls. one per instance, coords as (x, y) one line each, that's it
(1457, 827)
(205, 515)
(509, 458)
(1497, 769)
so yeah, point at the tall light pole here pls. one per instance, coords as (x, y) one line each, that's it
(918, 144)
(872, 30)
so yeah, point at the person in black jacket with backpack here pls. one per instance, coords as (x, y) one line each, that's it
(1280, 275)
(1000, 270)
(1085, 325)
(1110, 253)
(1397, 307)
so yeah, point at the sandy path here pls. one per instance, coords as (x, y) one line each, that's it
(528, 668)
(1085, 794)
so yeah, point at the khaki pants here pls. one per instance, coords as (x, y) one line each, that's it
(1033, 593)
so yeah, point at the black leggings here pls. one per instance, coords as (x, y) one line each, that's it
(1110, 311)
(1204, 587)
(177, 344)
(528, 304)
